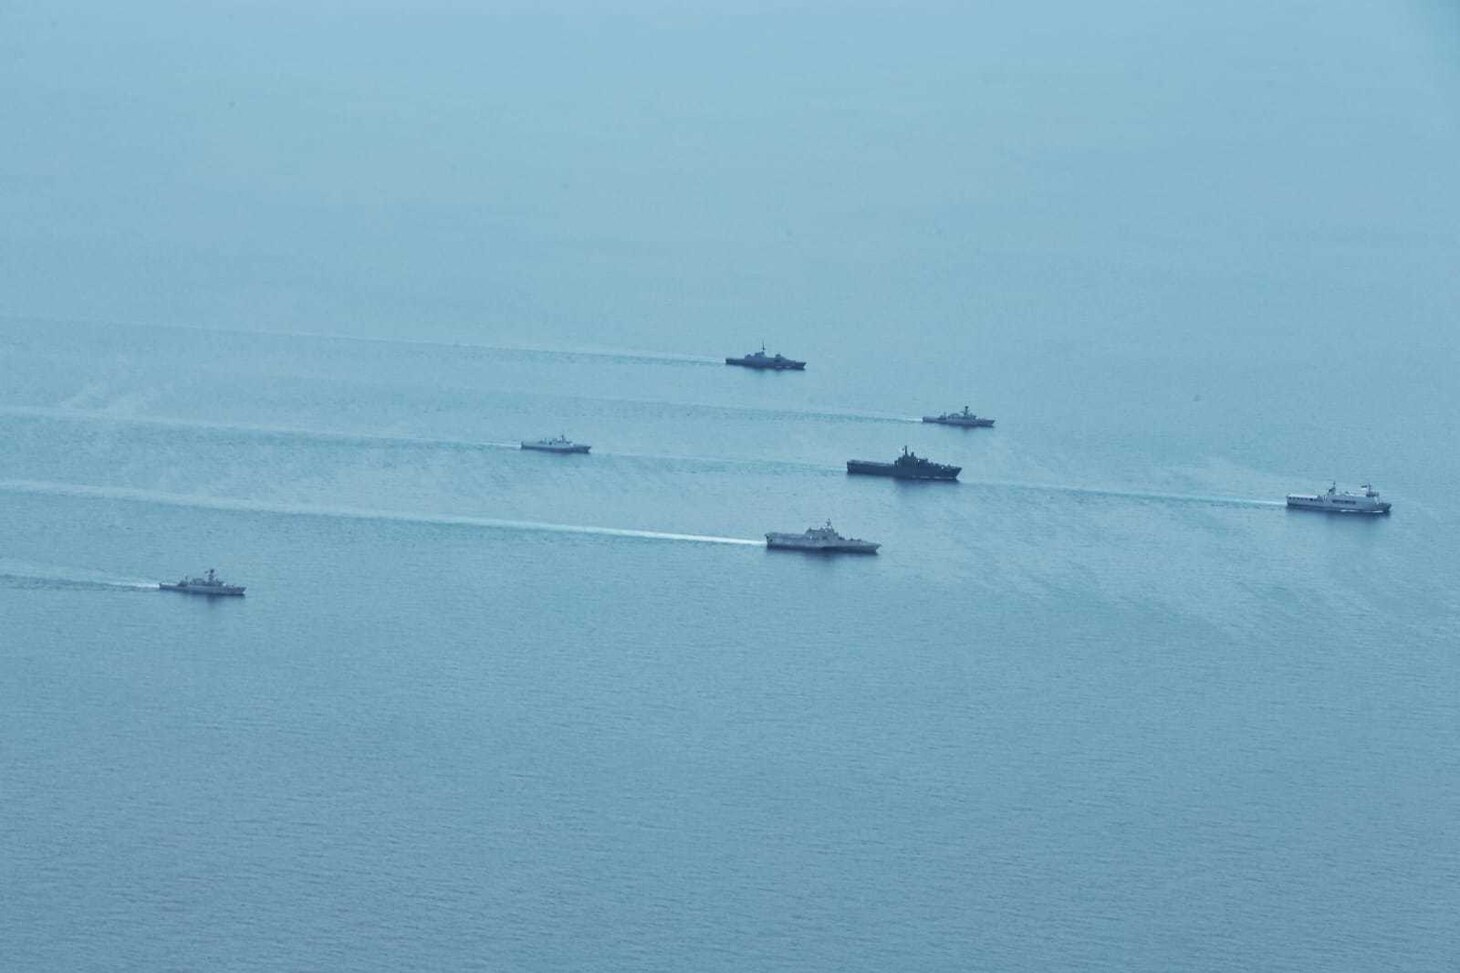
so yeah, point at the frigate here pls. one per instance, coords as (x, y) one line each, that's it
(908, 466)
(775, 363)
(558, 444)
(821, 540)
(1336, 501)
(965, 419)
(208, 584)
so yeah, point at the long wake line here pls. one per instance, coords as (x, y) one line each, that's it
(131, 495)
(624, 354)
(1127, 494)
(402, 439)
(69, 577)
(383, 438)
(322, 435)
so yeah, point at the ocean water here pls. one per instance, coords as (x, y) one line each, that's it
(283, 285)
(1104, 704)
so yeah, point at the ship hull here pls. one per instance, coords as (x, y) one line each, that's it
(796, 542)
(537, 448)
(1317, 505)
(857, 467)
(221, 591)
(785, 365)
(960, 423)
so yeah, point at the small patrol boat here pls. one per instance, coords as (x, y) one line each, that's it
(965, 419)
(208, 584)
(558, 444)
(1336, 501)
(820, 540)
(774, 363)
(908, 466)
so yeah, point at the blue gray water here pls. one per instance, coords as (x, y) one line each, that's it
(1104, 704)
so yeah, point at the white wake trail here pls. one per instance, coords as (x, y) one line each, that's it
(1125, 494)
(132, 495)
(57, 574)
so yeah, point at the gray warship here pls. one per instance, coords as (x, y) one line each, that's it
(820, 540)
(558, 444)
(209, 584)
(965, 419)
(908, 466)
(774, 363)
(1336, 501)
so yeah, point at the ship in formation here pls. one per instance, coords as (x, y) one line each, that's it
(558, 444)
(820, 540)
(774, 363)
(1336, 501)
(908, 466)
(209, 584)
(964, 419)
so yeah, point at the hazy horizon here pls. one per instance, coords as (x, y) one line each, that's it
(648, 178)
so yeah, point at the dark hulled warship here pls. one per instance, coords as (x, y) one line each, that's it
(908, 466)
(965, 419)
(558, 444)
(764, 362)
(208, 584)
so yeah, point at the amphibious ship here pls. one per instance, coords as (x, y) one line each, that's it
(558, 444)
(965, 419)
(821, 540)
(775, 363)
(908, 466)
(1336, 501)
(208, 584)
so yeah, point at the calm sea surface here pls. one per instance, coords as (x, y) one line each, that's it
(1105, 704)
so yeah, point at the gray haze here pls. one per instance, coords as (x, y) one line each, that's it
(663, 177)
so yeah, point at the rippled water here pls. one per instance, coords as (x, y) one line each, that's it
(1103, 704)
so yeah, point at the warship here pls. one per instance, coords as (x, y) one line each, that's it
(208, 584)
(774, 363)
(1336, 501)
(908, 466)
(558, 444)
(965, 419)
(820, 540)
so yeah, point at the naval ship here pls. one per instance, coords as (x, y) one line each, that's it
(1336, 501)
(821, 540)
(908, 466)
(965, 419)
(208, 584)
(558, 444)
(775, 363)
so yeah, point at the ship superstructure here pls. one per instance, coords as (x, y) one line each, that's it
(965, 419)
(821, 540)
(908, 466)
(774, 363)
(208, 584)
(558, 444)
(1336, 501)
